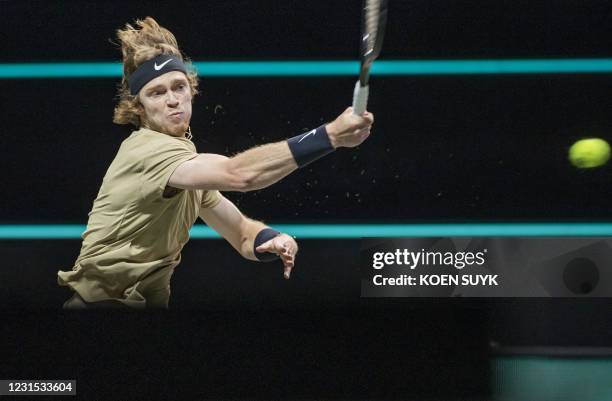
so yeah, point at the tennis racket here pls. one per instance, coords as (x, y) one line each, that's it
(373, 21)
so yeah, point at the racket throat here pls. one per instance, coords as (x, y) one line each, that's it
(364, 77)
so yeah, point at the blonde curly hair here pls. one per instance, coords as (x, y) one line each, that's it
(138, 44)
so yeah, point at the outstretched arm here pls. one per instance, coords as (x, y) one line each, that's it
(264, 165)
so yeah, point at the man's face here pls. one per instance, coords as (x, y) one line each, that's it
(166, 103)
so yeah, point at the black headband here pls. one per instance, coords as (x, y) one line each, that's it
(152, 69)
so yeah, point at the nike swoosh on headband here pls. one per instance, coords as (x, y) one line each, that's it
(159, 67)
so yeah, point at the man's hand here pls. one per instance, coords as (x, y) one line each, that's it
(284, 246)
(349, 130)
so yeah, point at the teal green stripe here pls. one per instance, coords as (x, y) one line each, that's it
(60, 70)
(329, 231)
(463, 67)
(324, 68)
(277, 68)
(542, 379)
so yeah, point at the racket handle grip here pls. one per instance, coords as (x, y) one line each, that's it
(360, 98)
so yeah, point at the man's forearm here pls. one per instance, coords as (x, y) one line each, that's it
(263, 165)
(250, 229)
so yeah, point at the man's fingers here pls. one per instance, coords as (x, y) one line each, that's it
(362, 132)
(288, 262)
(362, 123)
(287, 250)
(267, 246)
(276, 247)
(286, 256)
(287, 270)
(263, 248)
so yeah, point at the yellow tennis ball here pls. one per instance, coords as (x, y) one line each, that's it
(589, 153)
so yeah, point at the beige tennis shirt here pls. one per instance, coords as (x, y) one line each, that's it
(134, 235)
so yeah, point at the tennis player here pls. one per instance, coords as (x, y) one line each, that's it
(158, 185)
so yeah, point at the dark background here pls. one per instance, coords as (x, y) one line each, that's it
(443, 149)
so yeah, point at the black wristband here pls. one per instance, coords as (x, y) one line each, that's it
(264, 235)
(310, 146)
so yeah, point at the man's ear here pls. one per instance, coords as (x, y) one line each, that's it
(140, 112)
(139, 108)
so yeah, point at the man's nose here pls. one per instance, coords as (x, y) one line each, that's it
(171, 99)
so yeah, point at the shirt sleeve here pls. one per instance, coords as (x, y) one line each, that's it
(210, 199)
(160, 160)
